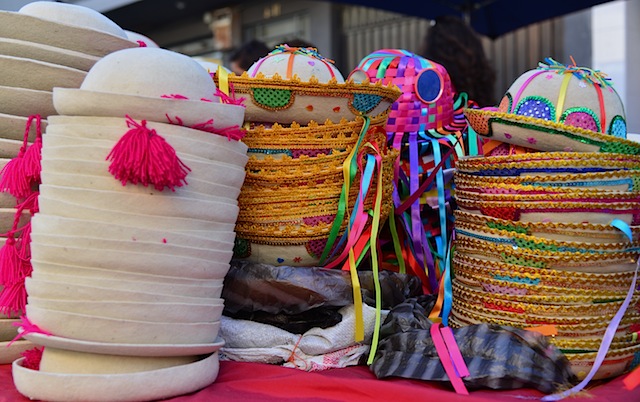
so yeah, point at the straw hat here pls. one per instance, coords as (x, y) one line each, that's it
(149, 84)
(427, 103)
(140, 39)
(33, 74)
(297, 84)
(558, 108)
(76, 28)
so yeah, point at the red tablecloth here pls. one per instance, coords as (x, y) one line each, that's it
(253, 382)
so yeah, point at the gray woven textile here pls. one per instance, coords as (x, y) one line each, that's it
(497, 357)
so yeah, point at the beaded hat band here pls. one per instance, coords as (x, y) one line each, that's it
(586, 262)
(499, 236)
(547, 162)
(562, 231)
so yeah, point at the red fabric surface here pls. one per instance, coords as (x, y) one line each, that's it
(252, 382)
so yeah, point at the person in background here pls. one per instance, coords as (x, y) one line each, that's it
(454, 44)
(246, 55)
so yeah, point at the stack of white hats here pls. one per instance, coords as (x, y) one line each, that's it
(43, 45)
(140, 177)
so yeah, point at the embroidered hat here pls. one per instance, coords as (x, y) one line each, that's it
(151, 84)
(558, 108)
(293, 84)
(76, 28)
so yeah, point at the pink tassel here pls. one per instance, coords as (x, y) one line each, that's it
(13, 298)
(22, 172)
(32, 358)
(141, 156)
(9, 261)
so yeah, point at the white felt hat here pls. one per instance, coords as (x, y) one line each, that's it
(75, 210)
(58, 290)
(194, 188)
(48, 224)
(142, 311)
(145, 385)
(12, 127)
(46, 53)
(9, 148)
(208, 171)
(140, 39)
(8, 329)
(222, 210)
(134, 261)
(33, 74)
(149, 84)
(100, 274)
(26, 102)
(183, 139)
(104, 329)
(7, 215)
(10, 352)
(130, 245)
(205, 289)
(68, 26)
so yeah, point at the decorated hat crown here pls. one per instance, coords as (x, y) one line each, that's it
(304, 62)
(426, 102)
(570, 95)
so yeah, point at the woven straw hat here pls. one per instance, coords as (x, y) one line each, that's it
(427, 101)
(151, 84)
(76, 28)
(558, 108)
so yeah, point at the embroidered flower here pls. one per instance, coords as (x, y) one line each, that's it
(531, 140)
(507, 136)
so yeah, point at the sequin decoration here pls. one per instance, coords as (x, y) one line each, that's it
(272, 98)
(505, 103)
(581, 117)
(618, 127)
(365, 102)
(536, 107)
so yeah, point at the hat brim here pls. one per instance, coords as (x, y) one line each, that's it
(545, 135)
(13, 127)
(13, 351)
(105, 329)
(24, 102)
(146, 385)
(46, 53)
(33, 74)
(15, 25)
(189, 113)
(123, 349)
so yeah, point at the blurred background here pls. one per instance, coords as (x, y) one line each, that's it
(516, 35)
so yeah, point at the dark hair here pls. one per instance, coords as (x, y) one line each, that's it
(455, 45)
(249, 53)
(296, 42)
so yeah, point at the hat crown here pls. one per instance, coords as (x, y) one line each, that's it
(427, 93)
(287, 62)
(574, 96)
(72, 14)
(151, 72)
